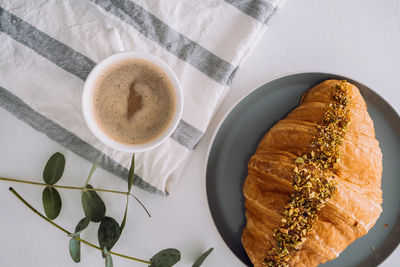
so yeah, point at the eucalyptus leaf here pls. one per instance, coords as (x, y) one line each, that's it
(131, 176)
(54, 168)
(82, 224)
(51, 202)
(201, 259)
(93, 205)
(108, 233)
(165, 258)
(125, 214)
(109, 262)
(75, 249)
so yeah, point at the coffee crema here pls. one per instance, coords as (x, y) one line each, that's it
(133, 101)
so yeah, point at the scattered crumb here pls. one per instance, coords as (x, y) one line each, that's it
(385, 225)
(372, 248)
(355, 223)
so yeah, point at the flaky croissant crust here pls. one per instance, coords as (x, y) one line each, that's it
(354, 208)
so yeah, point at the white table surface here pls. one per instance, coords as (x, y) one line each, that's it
(359, 38)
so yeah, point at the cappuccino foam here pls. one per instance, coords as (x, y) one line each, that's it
(134, 101)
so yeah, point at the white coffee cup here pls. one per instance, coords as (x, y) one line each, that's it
(88, 92)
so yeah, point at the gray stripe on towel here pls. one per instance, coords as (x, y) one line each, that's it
(271, 15)
(55, 51)
(74, 62)
(168, 38)
(22, 111)
(258, 9)
(187, 135)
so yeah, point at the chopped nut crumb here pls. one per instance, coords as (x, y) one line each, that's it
(299, 160)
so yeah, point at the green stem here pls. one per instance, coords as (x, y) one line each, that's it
(63, 186)
(94, 166)
(77, 188)
(37, 212)
(141, 204)
(67, 232)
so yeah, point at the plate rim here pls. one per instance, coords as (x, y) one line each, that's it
(235, 104)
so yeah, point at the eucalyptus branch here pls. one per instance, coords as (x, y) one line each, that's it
(68, 232)
(109, 230)
(78, 188)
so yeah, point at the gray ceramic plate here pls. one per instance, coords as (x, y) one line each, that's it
(237, 137)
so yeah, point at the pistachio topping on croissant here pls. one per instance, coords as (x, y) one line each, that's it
(313, 185)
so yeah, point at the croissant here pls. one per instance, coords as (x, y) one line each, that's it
(314, 183)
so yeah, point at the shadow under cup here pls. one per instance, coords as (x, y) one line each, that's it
(88, 103)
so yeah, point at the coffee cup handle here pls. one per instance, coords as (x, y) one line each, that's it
(115, 41)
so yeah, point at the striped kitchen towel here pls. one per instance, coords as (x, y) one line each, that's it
(48, 47)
